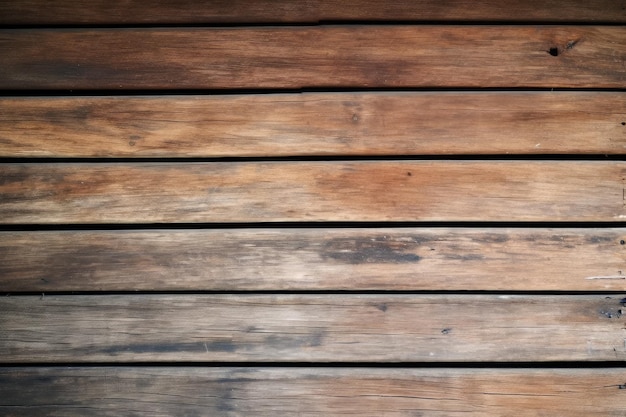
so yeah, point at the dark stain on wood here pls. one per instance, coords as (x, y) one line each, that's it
(292, 341)
(491, 238)
(460, 257)
(599, 239)
(377, 249)
(611, 313)
(151, 348)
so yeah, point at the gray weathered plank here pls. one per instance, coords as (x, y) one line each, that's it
(133, 391)
(385, 123)
(314, 57)
(313, 191)
(315, 328)
(502, 259)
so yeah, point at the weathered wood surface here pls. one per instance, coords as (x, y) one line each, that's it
(315, 259)
(255, 11)
(318, 57)
(312, 191)
(315, 328)
(132, 391)
(385, 123)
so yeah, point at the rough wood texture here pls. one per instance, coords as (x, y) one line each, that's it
(311, 392)
(312, 191)
(315, 259)
(327, 56)
(253, 11)
(316, 328)
(314, 124)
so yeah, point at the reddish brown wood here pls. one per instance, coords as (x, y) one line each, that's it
(312, 191)
(384, 123)
(237, 11)
(314, 57)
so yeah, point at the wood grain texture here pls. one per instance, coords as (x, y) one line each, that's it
(314, 57)
(114, 391)
(255, 11)
(311, 328)
(315, 259)
(314, 124)
(312, 191)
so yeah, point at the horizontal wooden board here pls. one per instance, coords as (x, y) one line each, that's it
(315, 259)
(254, 11)
(317, 57)
(316, 328)
(383, 123)
(312, 191)
(155, 391)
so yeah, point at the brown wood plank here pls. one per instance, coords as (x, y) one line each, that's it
(254, 11)
(317, 328)
(311, 392)
(315, 259)
(314, 124)
(326, 56)
(312, 191)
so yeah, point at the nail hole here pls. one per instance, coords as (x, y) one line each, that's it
(554, 51)
(623, 123)
(622, 242)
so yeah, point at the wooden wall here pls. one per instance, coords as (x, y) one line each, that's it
(320, 208)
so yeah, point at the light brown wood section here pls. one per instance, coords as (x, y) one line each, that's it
(314, 57)
(312, 191)
(315, 328)
(238, 11)
(315, 259)
(311, 392)
(354, 124)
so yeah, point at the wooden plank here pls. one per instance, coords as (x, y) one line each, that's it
(314, 124)
(315, 328)
(315, 259)
(312, 191)
(254, 11)
(317, 57)
(244, 391)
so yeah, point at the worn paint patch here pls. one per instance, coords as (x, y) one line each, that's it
(378, 249)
